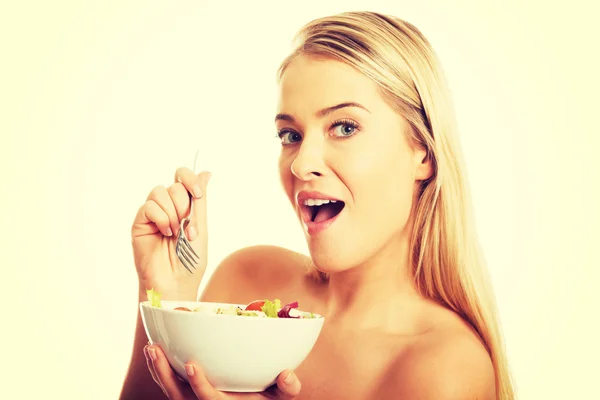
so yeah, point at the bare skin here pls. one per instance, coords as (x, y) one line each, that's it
(381, 338)
(369, 362)
(381, 362)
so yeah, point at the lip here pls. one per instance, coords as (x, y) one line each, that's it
(305, 195)
(314, 227)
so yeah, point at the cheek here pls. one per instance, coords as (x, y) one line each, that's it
(383, 183)
(285, 175)
(399, 183)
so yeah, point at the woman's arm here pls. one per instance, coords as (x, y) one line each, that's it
(138, 381)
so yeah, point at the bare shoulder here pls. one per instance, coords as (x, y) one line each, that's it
(446, 364)
(257, 272)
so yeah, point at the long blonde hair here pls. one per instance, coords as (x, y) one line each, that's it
(447, 262)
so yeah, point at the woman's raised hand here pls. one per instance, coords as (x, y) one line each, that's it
(154, 236)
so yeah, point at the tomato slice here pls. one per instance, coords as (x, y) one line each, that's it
(182, 309)
(256, 305)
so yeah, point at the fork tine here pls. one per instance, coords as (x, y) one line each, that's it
(188, 268)
(188, 256)
(185, 247)
(184, 250)
(183, 254)
(185, 260)
(189, 246)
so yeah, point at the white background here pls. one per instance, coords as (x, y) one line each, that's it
(101, 101)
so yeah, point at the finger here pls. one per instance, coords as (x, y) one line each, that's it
(190, 181)
(152, 371)
(180, 198)
(288, 385)
(151, 219)
(162, 197)
(195, 183)
(199, 213)
(200, 385)
(174, 388)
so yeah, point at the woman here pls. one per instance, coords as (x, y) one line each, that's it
(370, 161)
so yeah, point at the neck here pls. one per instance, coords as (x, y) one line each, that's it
(372, 295)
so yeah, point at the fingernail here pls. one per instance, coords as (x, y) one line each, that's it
(289, 378)
(169, 232)
(189, 369)
(197, 191)
(191, 233)
(152, 353)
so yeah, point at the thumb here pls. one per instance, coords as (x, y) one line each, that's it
(198, 216)
(288, 385)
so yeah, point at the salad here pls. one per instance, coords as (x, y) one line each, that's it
(257, 308)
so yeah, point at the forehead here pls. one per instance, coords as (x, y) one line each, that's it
(310, 84)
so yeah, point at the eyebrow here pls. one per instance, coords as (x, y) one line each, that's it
(324, 112)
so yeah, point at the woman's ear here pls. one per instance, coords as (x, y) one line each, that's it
(424, 167)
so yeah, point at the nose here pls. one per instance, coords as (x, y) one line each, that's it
(309, 162)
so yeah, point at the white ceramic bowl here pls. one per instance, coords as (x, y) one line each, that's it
(236, 353)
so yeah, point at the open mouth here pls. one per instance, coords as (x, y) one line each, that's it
(321, 210)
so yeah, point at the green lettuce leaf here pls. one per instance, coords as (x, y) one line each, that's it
(271, 307)
(153, 298)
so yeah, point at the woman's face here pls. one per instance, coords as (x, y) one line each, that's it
(342, 142)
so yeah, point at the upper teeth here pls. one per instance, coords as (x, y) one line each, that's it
(317, 202)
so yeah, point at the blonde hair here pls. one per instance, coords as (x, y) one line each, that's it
(447, 262)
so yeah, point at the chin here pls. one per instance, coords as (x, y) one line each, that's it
(333, 259)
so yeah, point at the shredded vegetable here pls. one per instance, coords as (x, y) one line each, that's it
(258, 308)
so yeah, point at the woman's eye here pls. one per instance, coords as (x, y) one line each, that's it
(344, 129)
(289, 137)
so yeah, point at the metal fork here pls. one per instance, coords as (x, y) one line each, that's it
(183, 248)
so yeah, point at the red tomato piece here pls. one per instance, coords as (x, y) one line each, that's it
(256, 305)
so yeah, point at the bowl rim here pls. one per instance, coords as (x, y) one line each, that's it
(146, 304)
